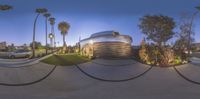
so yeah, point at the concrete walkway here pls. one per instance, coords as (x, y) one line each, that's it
(69, 83)
(21, 62)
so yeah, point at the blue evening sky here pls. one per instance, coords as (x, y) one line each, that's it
(87, 17)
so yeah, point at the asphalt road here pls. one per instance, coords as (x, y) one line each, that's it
(68, 82)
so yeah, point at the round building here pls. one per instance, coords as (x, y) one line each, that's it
(107, 44)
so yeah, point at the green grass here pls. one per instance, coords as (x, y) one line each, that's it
(65, 60)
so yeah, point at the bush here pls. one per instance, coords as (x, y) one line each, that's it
(165, 56)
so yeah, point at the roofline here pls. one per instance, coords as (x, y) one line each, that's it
(126, 36)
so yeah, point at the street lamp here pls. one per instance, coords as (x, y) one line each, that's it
(51, 36)
(91, 42)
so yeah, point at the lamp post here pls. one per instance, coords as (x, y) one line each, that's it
(51, 36)
(190, 29)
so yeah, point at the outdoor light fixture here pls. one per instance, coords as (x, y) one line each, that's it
(91, 42)
(51, 35)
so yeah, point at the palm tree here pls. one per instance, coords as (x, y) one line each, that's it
(52, 22)
(46, 15)
(64, 27)
(5, 7)
(38, 11)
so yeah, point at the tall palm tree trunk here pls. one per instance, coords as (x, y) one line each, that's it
(52, 31)
(64, 44)
(33, 43)
(46, 35)
(54, 39)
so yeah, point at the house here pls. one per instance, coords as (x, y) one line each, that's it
(107, 44)
(196, 46)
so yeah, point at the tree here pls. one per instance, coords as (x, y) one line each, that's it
(64, 27)
(52, 22)
(5, 7)
(185, 35)
(38, 45)
(46, 15)
(158, 28)
(191, 24)
(38, 11)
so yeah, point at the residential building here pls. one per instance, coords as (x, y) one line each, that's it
(107, 44)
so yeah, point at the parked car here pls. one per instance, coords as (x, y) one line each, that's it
(20, 54)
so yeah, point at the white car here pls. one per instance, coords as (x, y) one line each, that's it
(20, 54)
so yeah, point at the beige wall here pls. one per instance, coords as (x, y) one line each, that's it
(87, 50)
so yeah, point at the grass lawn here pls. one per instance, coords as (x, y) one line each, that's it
(65, 60)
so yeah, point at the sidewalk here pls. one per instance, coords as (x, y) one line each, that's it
(21, 62)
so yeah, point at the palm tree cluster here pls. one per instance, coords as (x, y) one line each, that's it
(63, 27)
(47, 15)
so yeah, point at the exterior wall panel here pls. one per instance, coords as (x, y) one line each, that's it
(107, 44)
(112, 49)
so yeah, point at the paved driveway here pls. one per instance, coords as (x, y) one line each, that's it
(70, 83)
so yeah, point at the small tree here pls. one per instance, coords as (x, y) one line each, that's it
(157, 28)
(38, 45)
(184, 36)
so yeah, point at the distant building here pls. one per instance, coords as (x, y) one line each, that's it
(22, 47)
(107, 44)
(3, 45)
(196, 46)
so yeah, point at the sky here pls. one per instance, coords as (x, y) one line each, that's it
(87, 17)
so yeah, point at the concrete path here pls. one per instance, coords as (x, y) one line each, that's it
(69, 83)
(21, 62)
